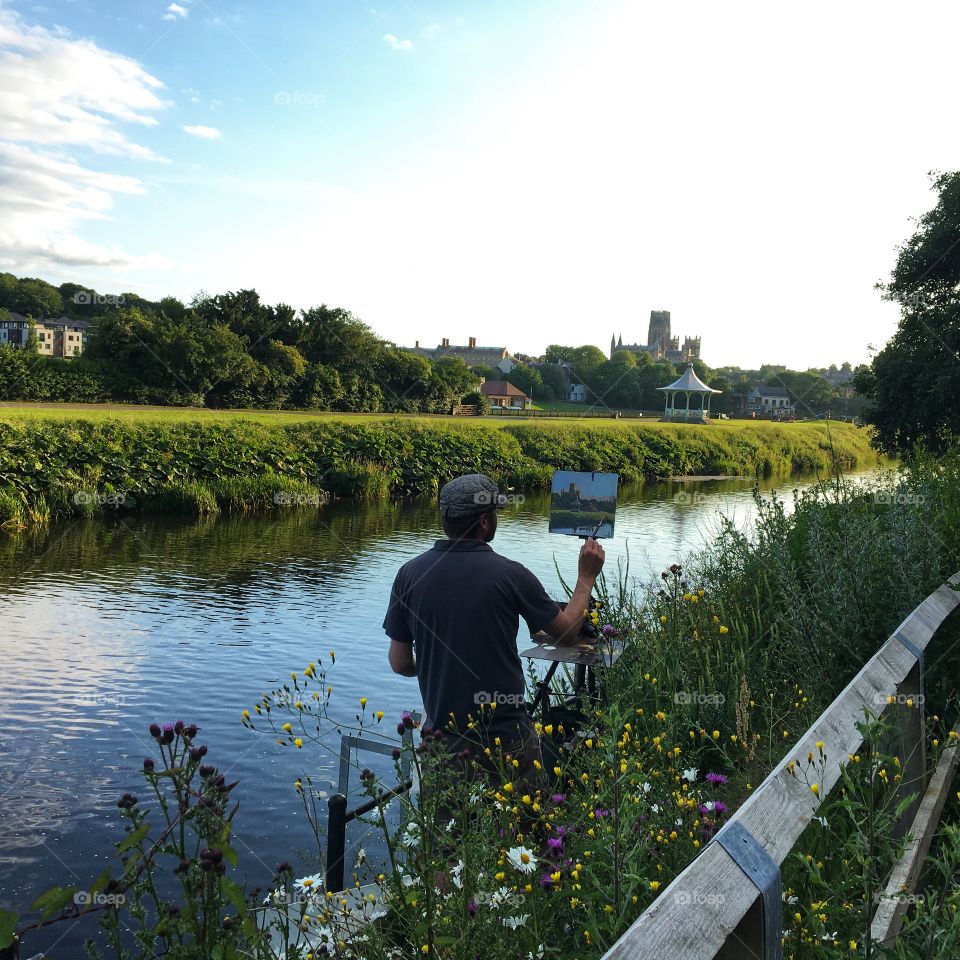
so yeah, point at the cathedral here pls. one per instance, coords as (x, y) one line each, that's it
(660, 345)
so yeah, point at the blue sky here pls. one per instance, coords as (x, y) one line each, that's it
(523, 172)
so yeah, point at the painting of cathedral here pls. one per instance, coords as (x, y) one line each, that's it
(660, 345)
(583, 504)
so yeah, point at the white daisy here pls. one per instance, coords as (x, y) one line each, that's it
(690, 774)
(522, 859)
(309, 887)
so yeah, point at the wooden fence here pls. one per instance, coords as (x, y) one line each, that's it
(728, 902)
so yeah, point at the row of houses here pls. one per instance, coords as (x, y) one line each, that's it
(57, 337)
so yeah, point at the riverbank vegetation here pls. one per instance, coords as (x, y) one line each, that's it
(728, 657)
(64, 467)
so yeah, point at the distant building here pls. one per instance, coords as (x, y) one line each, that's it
(498, 358)
(500, 393)
(660, 344)
(59, 337)
(770, 401)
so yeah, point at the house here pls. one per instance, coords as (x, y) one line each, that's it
(767, 401)
(574, 390)
(500, 393)
(497, 358)
(57, 337)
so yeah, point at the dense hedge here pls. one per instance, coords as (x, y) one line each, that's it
(79, 466)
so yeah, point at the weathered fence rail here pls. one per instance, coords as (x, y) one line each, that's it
(689, 920)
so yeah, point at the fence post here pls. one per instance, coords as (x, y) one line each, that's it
(909, 737)
(336, 841)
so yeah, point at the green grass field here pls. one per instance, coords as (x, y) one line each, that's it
(137, 414)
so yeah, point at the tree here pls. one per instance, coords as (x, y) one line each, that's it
(586, 359)
(528, 380)
(554, 378)
(558, 354)
(913, 382)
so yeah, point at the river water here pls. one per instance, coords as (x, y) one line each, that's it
(109, 625)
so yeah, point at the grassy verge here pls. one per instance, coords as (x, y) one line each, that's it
(53, 466)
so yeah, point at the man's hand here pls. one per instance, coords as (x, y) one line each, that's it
(591, 559)
(565, 628)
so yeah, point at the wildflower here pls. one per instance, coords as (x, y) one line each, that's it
(654, 885)
(522, 859)
(298, 743)
(724, 629)
(379, 715)
(363, 702)
(716, 734)
(815, 789)
(287, 727)
(514, 922)
(717, 779)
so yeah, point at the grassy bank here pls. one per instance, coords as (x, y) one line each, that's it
(56, 466)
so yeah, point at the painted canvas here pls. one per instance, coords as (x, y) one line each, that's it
(583, 504)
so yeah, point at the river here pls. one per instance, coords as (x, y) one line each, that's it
(109, 625)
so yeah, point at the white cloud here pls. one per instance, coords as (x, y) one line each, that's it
(58, 95)
(201, 131)
(175, 12)
(396, 43)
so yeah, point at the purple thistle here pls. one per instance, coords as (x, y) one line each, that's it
(555, 843)
(559, 797)
(471, 908)
(547, 881)
(717, 779)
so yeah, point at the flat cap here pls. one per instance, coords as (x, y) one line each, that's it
(469, 495)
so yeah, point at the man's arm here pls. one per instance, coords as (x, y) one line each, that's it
(566, 627)
(402, 660)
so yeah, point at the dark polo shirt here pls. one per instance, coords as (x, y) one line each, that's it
(460, 605)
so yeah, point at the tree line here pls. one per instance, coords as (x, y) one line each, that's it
(228, 350)
(233, 350)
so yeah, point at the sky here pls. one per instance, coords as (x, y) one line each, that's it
(523, 171)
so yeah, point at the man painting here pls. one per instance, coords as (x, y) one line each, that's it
(453, 618)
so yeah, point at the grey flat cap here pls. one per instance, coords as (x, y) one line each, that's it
(469, 495)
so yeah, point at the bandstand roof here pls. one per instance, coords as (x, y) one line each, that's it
(689, 383)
